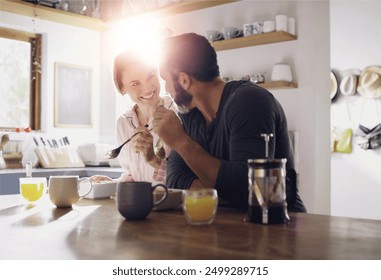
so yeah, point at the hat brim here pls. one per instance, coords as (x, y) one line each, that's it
(334, 86)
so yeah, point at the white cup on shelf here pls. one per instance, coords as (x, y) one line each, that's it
(257, 27)
(268, 26)
(281, 72)
(281, 23)
(214, 35)
(247, 29)
(231, 32)
(291, 26)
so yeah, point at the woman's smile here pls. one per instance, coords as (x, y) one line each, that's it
(150, 96)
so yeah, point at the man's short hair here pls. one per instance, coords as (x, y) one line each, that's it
(190, 53)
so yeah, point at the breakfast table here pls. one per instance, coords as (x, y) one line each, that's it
(94, 230)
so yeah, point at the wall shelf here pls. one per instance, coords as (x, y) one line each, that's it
(278, 85)
(46, 13)
(32, 10)
(254, 40)
(178, 8)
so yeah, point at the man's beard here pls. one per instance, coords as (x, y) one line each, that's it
(182, 98)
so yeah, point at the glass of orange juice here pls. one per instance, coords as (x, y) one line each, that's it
(32, 189)
(200, 206)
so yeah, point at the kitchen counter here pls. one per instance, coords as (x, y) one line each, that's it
(9, 178)
(94, 229)
(77, 169)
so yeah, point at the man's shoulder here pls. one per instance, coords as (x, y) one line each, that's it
(245, 92)
(246, 88)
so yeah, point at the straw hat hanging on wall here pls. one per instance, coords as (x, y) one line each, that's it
(348, 83)
(334, 86)
(369, 84)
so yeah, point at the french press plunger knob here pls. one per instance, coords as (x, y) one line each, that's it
(266, 137)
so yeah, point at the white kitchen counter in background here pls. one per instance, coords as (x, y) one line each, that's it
(9, 178)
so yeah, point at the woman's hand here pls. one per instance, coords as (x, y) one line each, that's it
(100, 178)
(143, 144)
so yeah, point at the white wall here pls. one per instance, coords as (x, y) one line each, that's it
(65, 44)
(307, 108)
(355, 43)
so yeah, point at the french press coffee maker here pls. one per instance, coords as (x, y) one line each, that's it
(267, 189)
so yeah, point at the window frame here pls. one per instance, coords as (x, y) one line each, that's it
(35, 89)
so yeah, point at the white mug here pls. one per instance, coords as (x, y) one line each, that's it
(281, 72)
(268, 26)
(231, 32)
(247, 29)
(291, 26)
(64, 190)
(214, 35)
(281, 23)
(257, 27)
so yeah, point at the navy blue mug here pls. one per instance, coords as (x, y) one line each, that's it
(135, 199)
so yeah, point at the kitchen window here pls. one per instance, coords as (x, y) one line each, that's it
(20, 80)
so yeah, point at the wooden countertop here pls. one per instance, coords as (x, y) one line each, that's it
(94, 229)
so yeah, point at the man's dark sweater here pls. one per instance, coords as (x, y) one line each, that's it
(245, 112)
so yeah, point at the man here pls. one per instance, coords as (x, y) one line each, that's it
(221, 124)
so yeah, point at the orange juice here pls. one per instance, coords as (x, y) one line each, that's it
(200, 206)
(32, 192)
(200, 209)
(32, 189)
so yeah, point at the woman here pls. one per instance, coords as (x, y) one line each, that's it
(140, 82)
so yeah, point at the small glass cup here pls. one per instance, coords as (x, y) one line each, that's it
(200, 206)
(33, 189)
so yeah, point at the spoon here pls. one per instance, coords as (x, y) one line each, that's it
(115, 153)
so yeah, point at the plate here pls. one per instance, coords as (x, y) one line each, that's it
(173, 200)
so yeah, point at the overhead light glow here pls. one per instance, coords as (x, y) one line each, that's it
(143, 35)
